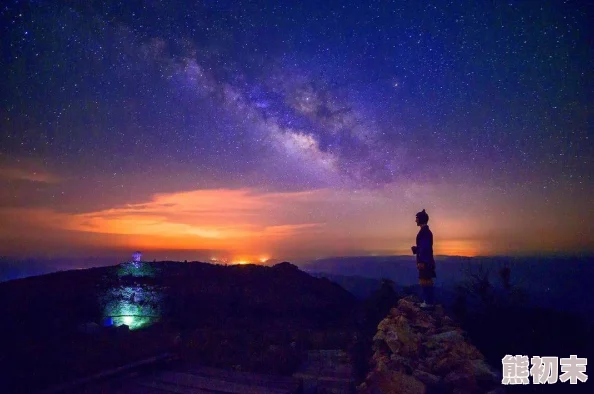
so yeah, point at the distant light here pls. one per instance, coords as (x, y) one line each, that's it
(264, 259)
(128, 320)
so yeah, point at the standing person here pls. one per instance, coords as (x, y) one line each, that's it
(425, 261)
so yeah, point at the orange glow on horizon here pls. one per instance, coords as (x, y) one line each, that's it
(467, 248)
(249, 225)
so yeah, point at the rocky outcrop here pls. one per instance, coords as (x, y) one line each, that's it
(424, 351)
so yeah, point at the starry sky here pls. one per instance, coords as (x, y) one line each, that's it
(295, 130)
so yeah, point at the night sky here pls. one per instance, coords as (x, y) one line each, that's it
(295, 130)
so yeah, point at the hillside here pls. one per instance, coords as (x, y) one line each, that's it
(248, 317)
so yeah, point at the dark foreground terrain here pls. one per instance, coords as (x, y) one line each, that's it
(62, 326)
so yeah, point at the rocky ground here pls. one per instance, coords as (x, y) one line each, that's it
(420, 351)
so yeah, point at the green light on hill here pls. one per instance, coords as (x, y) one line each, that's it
(134, 306)
(133, 322)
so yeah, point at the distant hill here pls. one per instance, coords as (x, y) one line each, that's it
(359, 286)
(401, 269)
(225, 291)
(560, 283)
(557, 282)
(363, 288)
(14, 268)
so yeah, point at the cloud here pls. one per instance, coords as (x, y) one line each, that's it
(308, 222)
(233, 220)
(28, 174)
(218, 214)
(291, 229)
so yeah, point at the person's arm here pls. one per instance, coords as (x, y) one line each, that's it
(415, 248)
(425, 247)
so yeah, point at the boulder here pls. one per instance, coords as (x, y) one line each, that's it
(402, 364)
(447, 324)
(395, 312)
(381, 363)
(445, 364)
(385, 324)
(408, 307)
(462, 378)
(423, 321)
(408, 338)
(464, 351)
(379, 336)
(392, 340)
(427, 378)
(448, 336)
(399, 383)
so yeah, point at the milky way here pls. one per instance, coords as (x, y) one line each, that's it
(474, 110)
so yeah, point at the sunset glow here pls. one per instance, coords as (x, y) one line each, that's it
(239, 222)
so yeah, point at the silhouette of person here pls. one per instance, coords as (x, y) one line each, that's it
(425, 261)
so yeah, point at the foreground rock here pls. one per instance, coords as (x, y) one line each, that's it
(419, 351)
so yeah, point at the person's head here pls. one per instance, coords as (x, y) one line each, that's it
(422, 218)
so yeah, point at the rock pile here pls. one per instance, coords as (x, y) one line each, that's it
(423, 351)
